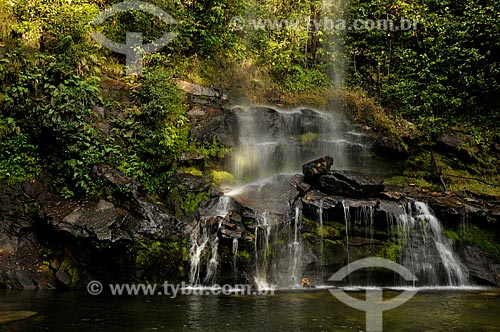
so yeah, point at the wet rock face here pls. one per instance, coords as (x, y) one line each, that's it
(20, 263)
(481, 268)
(317, 173)
(350, 183)
(317, 167)
(48, 242)
(209, 124)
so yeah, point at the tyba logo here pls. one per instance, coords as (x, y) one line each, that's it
(374, 304)
(133, 48)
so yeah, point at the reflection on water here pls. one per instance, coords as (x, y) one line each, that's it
(429, 310)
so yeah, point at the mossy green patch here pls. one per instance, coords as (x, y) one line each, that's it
(222, 177)
(191, 170)
(308, 138)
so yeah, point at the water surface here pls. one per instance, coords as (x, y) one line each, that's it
(318, 310)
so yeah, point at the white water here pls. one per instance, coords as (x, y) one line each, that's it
(321, 234)
(347, 220)
(235, 258)
(213, 262)
(275, 141)
(205, 242)
(263, 229)
(428, 253)
(199, 241)
(296, 250)
(272, 142)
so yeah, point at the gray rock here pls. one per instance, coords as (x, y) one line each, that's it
(214, 124)
(480, 266)
(193, 183)
(317, 167)
(350, 183)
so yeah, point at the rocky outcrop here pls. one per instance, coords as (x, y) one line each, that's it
(318, 167)
(49, 242)
(210, 124)
(482, 268)
(372, 213)
(343, 183)
(350, 183)
(202, 95)
(457, 144)
(21, 264)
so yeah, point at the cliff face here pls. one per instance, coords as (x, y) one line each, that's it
(123, 235)
(49, 242)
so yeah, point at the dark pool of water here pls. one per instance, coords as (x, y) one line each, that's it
(471, 311)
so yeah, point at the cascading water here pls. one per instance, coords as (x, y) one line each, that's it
(262, 236)
(276, 141)
(427, 251)
(296, 249)
(199, 241)
(213, 262)
(347, 220)
(203, 238)
(273, 142)
(235, 259)
(321, 234)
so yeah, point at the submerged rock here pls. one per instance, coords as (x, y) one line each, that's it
(11, 316)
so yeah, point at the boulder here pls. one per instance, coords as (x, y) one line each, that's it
(104, 221)
(458, 144)
(350, 183)
(317, 167)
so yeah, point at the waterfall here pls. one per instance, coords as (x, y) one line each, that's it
(425, 249)
(347, 221)
(427, 252)
(235, 259)
(271, 143)
(203, 239)
(321, 234)
(295, 274)
(262, 252)
(199, 241)
(213, 262)
(275, 141)
(223, 205)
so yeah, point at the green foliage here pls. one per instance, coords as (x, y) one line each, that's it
(452, 235)
(18, 159)
(191, 170)
(391, 251)
(443, 72)
(159, 258)
(191, 200)
(244, 255)
(155, 134)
